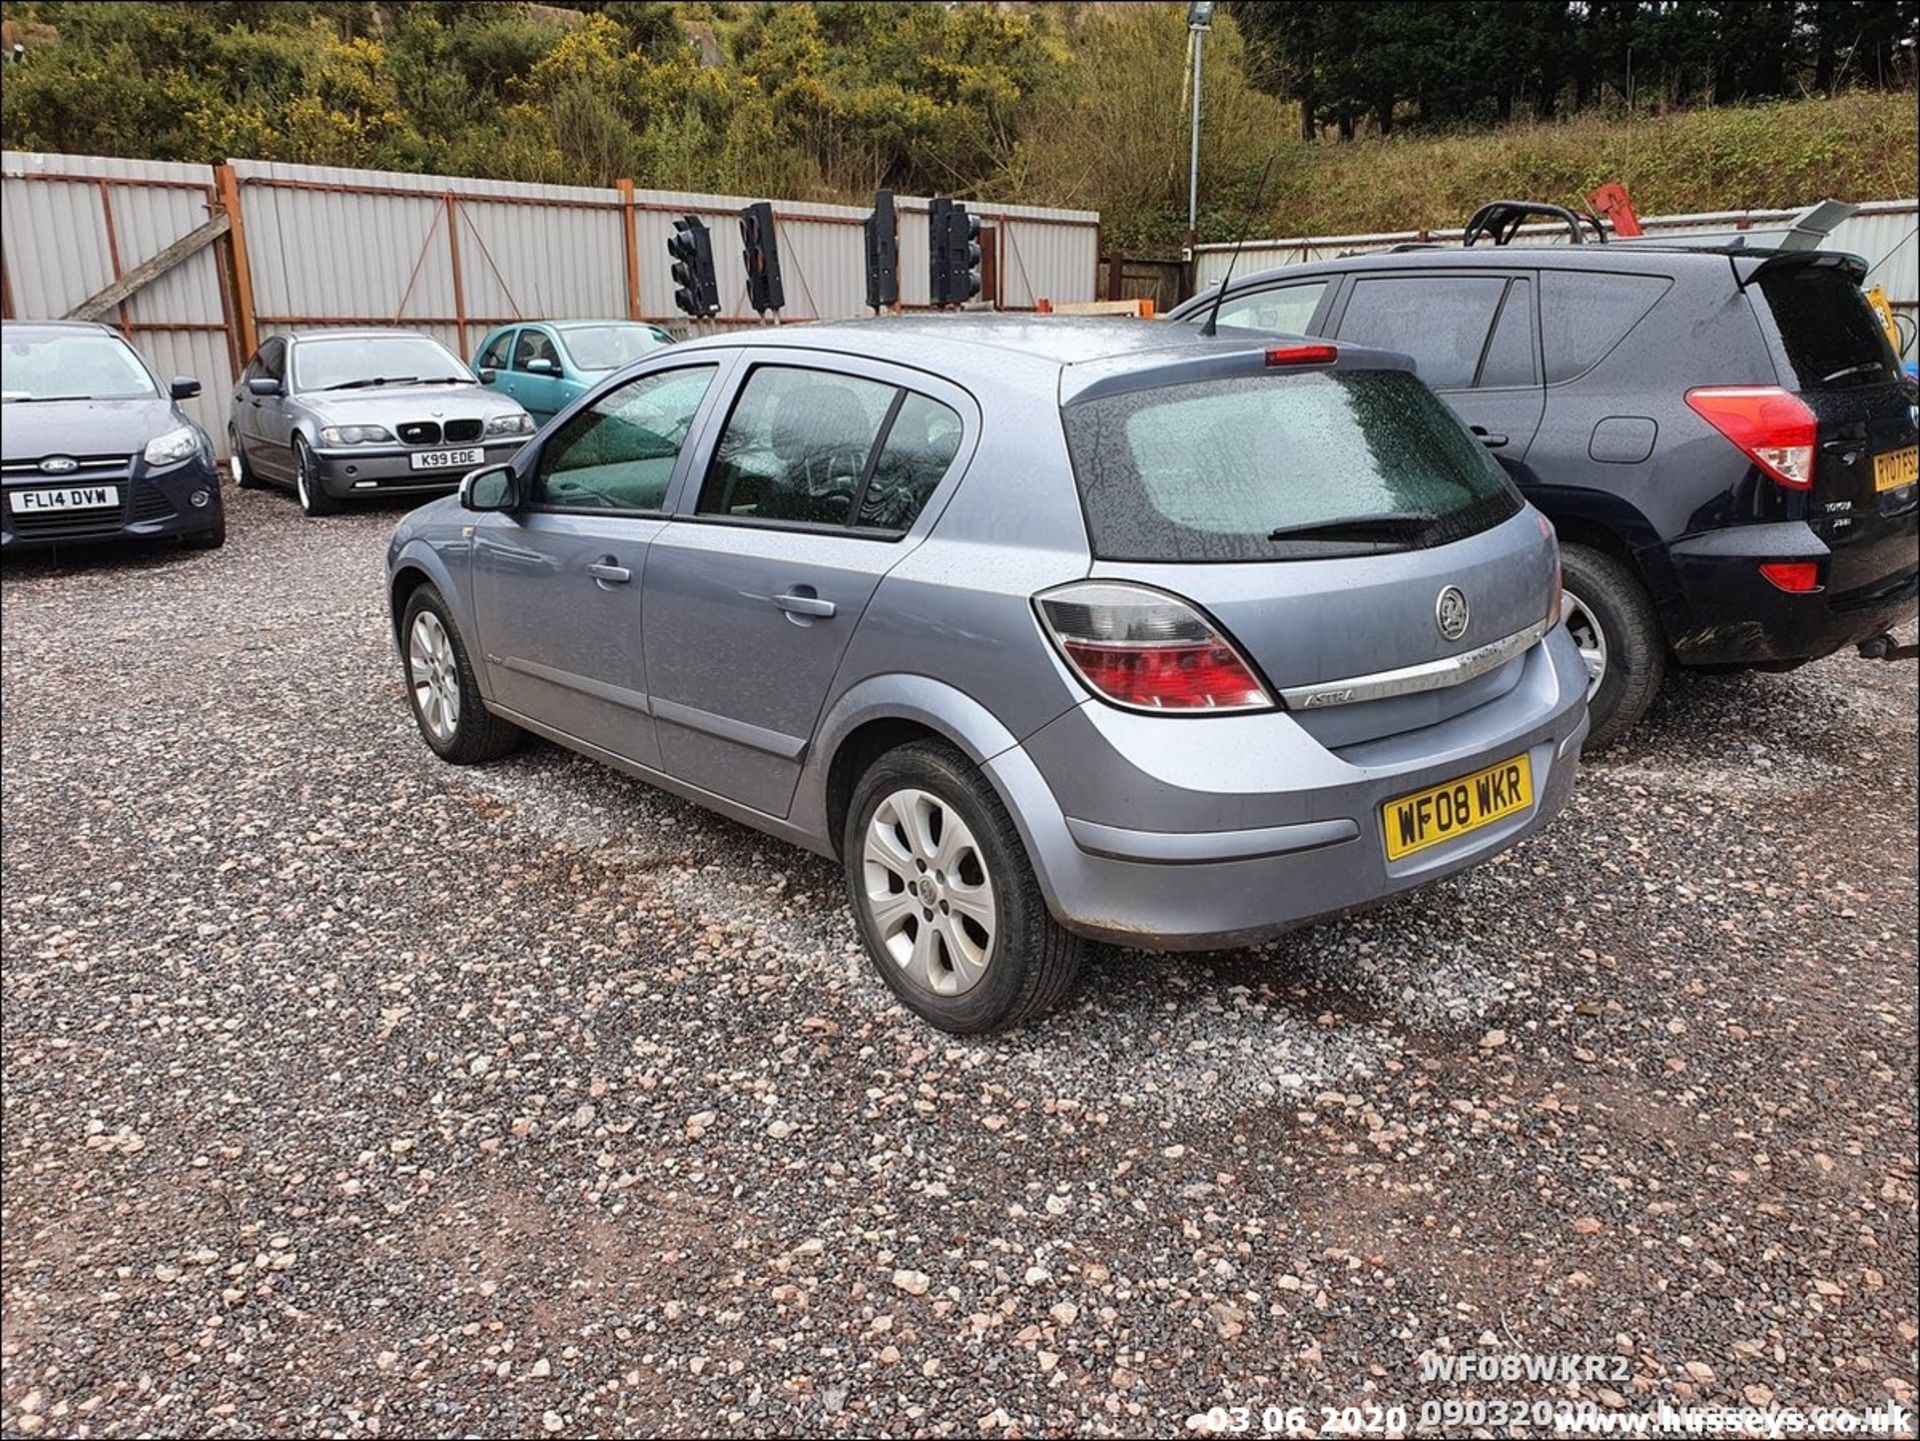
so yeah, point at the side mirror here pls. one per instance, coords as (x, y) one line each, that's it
(489, 375)
(492, 487)
(184, 387)
(265, 385)
(542, 366)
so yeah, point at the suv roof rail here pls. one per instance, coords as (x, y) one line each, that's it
(1500, 220)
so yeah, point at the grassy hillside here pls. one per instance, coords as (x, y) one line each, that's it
(1075, 104)
(1856, 147)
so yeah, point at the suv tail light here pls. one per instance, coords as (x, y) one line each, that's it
(1795, 577)
(1147, 650)
(1773, 426)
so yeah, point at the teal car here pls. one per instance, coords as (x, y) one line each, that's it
(544, 364)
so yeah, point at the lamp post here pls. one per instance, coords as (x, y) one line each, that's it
(1199, 22)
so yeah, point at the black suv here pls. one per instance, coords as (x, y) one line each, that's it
(1722, 437)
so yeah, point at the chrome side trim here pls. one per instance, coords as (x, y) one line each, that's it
(1411, 680)
(1206, 847)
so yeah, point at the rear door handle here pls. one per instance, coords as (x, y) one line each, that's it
(804, 605)
(607, 573)
(1492, 442)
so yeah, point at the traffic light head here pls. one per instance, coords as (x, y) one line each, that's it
(760, 251)
(696, 290)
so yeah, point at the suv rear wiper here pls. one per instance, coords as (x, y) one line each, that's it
(372, 380)
(1405, 525)
(1844, 371)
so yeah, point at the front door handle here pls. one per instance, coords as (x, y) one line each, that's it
(804, 605)
(1490, 441)
(607, 573)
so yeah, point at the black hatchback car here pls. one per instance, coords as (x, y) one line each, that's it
(93, 447)
(1722, 437)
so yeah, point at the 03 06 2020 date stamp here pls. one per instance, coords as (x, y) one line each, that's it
(1514, 1390)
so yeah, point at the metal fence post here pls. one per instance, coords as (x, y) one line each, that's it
(631, 238)
(229, 188)
(459, 288)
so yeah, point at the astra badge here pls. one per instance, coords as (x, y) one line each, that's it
(1450, 613)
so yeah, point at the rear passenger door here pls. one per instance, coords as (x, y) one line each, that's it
(1473, 338)
(817, 485)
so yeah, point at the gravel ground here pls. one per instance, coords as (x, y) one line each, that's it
(350, 1093)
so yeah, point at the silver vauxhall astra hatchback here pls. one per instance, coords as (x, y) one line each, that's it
(1046, 629)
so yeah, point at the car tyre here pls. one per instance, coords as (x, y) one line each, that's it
(441, 688)
(244, 475)
(923, 816)
(1612, 620)
(312, 495)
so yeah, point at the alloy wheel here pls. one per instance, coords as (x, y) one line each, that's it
(436, 676)
(300, 480)
(1588, 636)
(927, 891)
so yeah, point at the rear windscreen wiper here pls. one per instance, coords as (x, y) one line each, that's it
(1405, 525)
(1844, 371)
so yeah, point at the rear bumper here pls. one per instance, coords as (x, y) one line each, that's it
(1735, 616)
(362, 470)
(153, 506)
(1298, 828)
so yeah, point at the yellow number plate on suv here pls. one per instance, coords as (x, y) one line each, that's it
(1896, 468)
(1426, 818)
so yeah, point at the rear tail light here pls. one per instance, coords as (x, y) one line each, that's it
(1773, 426)
(1796, 577)
(1558, 588)
(1147, 650)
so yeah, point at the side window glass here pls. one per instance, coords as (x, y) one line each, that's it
(1440, 320)
(619, 453)
(921, 443)
(1288, 309)
(253, 369)
(273, 359)
(494, 357)
(796, 446)
(534, 345)
(1584, 314)
(1510, 353)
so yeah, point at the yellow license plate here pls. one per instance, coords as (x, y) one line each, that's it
(1426, 818)
(1896, 468)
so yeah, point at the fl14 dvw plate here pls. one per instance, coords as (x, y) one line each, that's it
(1425, 818)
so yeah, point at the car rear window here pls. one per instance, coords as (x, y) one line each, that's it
(1209, 471)
(1830, 334)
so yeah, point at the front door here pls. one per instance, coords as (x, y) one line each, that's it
(756, 586)
(536, 374)
(558, 584)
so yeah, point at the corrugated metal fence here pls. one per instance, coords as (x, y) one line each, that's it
(1883, 232)
(72, 224)
(315, 246)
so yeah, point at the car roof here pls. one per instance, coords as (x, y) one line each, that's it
(365, 332)
(59, 326)
(1627, 256)
(991, 340)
